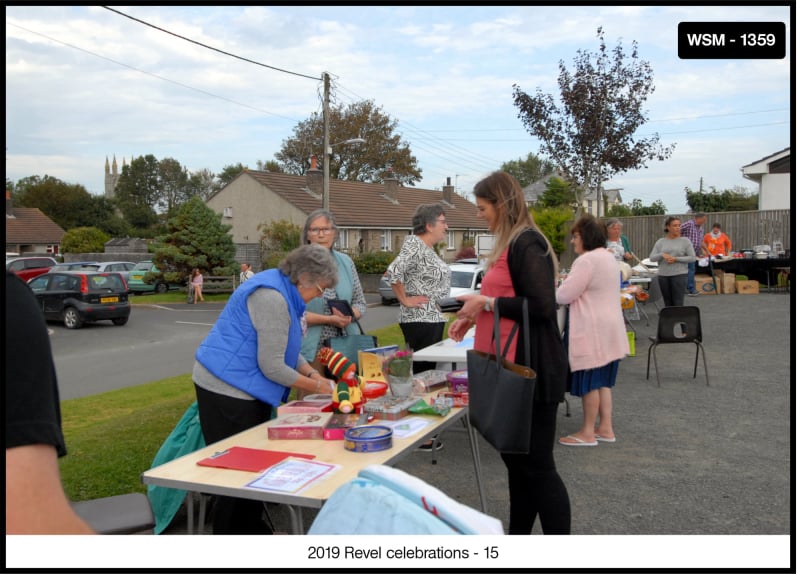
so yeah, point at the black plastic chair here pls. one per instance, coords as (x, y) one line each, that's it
(678, 325)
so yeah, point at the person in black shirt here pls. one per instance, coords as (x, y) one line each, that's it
(35, 499)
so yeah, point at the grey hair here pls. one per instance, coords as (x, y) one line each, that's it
(425, 214)
(612, 221)
(313, 263)
(314, 215)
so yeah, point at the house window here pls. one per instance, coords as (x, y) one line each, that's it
(227, 212)
(451, 240)
(52, 249)
(386, 240)
(343, 241)
(589, 206)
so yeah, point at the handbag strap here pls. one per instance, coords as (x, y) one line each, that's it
(525, 329)
(360, 328)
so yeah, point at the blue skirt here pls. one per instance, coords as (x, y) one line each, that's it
(581, 382)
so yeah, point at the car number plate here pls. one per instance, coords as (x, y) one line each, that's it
(109, 299)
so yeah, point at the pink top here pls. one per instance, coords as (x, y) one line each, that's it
(197, 279)
(596, 325)
(496, 283)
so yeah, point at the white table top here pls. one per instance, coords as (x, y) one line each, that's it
(447, 351)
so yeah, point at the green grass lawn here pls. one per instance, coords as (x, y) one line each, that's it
(113, 437)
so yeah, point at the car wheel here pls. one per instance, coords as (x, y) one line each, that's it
(161, 288)
(72, 319)
(120, 321)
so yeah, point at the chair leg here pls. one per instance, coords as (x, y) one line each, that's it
(655, 365)
(705, 366)
(696, 356)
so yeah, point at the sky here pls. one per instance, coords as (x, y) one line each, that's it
(85, 83)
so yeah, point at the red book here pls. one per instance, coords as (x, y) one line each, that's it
(249, 459)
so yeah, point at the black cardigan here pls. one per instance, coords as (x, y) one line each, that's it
(533, 278)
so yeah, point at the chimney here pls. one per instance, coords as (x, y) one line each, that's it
(314, 177)
(447, 192)
(392, 186)
(9, 205)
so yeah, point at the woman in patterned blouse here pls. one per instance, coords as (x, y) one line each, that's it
(419, 279)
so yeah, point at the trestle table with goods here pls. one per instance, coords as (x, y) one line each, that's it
(330, 464)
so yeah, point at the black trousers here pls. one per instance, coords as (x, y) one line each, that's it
(221, 417)
(534, 485)
(421, 335)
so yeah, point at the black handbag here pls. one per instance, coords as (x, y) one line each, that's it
(501, 392)
(350, 344)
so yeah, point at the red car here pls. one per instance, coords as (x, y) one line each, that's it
(29, 267)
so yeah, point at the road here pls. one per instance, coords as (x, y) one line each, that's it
(159, 341)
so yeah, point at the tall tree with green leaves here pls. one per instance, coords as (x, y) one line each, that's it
(195, 237)
(736, 199)
(229, 173)
(528, 170)
(558, 193)
(84, 240)
(591, 136)
(383, 152)
(138, 190)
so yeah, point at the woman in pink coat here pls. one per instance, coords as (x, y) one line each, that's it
(596, 338)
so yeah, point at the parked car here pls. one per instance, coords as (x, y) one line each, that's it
(78, 297)
(136, 282)
(71, 266)
(29, 267)
(122, 267)
(465, 277)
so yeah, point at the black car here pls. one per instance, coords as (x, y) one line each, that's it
(78, 297)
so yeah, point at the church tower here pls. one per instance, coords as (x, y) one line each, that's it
(112, 177)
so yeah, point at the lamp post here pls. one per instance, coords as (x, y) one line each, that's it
(326, 168)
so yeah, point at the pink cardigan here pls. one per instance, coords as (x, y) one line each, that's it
(596, 325)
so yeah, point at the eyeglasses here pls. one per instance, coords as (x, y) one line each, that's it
(321, 290)
(320, 230)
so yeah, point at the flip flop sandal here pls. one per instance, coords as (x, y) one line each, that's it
(577, 441)
(599, 438)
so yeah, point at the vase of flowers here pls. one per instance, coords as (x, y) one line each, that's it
(398, 372)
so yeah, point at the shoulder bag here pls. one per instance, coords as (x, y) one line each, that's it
(501, 392)
(350, 344)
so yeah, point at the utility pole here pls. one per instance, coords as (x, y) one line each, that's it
(326, 158)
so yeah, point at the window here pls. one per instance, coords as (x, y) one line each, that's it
(343, 240)
(451, 240)
(386, 240)
(227, 212)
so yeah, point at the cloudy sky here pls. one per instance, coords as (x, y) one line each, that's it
(87, 83)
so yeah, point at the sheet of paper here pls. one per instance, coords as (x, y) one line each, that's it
(292, 475)
(407, 426)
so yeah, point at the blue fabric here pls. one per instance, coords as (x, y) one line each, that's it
(230, 351)
(581, 382)
(362, 506)
(186, 437)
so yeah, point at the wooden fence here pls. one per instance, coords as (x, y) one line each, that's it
(746, 229)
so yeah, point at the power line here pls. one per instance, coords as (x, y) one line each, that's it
(211, 47)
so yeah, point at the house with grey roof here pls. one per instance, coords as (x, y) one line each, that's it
(29, 231)
(609, 197)
(370, 216)
(773, 174)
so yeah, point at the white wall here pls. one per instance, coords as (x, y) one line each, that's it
(775, 191)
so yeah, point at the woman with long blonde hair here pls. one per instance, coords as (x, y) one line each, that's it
(522, 266)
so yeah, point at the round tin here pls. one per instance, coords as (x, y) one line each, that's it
(368, 438)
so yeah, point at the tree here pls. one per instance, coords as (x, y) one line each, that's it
(195, 237)
(84, 240)
(383, 152)
(737, 199)
(636, 207)
(68, 205)
(174, 189)
(557, 194)
(229, 173)
(203, 183)
(137, 191)
(591, 138)
(269, 165)
(277, 239)
(527, 171)
(551, 221)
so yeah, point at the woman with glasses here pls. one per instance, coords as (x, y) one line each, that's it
(251, 359)
(323, 321)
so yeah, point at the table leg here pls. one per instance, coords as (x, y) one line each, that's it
(296, 518)
(190, 512)
(476, 463)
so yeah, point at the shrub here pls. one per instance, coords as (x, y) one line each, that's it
(374, 262)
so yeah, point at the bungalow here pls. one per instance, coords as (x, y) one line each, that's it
(29, 231)
(773, 174)
(370, 216)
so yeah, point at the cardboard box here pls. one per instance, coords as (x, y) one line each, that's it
(704, 285)
(747, 287)
(432, 379)
(729, 283)
(298, 426)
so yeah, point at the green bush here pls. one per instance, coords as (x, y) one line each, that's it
(374, 262)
